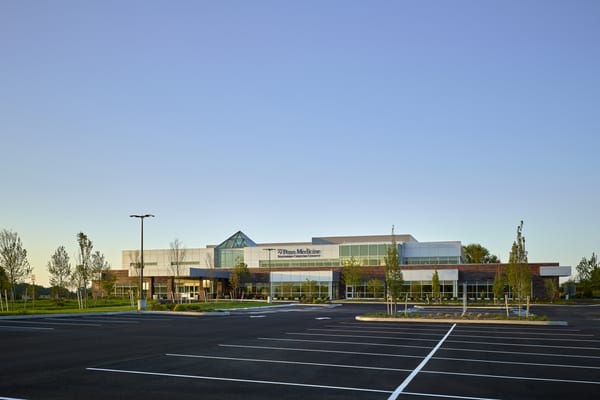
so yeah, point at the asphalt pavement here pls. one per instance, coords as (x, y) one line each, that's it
(296, 352)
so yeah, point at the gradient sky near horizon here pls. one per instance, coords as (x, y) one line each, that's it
(452, 120)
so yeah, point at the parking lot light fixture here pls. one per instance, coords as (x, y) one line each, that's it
(141, 301)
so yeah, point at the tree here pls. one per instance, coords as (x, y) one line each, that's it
(552, 289)
(99, 267)
(435, 286)
(287, 289)
(13, 260)
(477, 254)
(586, 267)
(177, 255)
(107, 282)
(393, 275)
(375, 286)
(59, 268)
(3, 281)
(569, 288)
(352, 273)
(83, 271)
(238, 277)
(587, 270)
(518, 274)
(309, 289)
(498, 285)
(595, 280)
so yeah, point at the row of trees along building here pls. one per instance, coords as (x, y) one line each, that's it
(517, 275)
(15, 268)
(90, 265)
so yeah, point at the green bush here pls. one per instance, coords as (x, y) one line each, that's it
(188, 307)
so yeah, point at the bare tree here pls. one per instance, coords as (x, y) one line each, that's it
(13, 260)
(177, 256)
(59, 268)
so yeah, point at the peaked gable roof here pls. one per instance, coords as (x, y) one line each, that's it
(238, 240)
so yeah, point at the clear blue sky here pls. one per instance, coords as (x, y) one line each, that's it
(452, 120)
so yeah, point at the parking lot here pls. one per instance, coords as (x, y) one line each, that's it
(293, 353)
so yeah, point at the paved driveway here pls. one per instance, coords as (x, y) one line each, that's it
(292, 353)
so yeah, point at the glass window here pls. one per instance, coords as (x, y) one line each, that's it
(344, 251)
(373, 250)
(364, 250)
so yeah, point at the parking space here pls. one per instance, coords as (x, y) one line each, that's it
(317, 353)
(69, 321)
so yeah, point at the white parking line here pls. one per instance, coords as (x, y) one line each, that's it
(524, 345)
(455, 335)
(345, 342)
(514, 363)
(258, 360)
(521, 378)
(446, 396)
(107, 320)
(522, 332)
(520, 329)
(372, 331)
(47, 322)
(449, 341)
(25, 328)
(423, 327)
(361, 336)
(409, 378)
(216, 378)
(359, 353)
(521, 353)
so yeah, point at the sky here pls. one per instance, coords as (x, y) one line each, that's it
(451, 120)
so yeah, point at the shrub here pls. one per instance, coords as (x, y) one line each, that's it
(157, 307)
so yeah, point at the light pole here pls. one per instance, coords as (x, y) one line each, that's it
(141, 303)
(269, 249)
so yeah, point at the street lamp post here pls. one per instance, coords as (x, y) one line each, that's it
(269, 249)
(141, 302)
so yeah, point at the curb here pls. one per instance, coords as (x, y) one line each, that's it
(462, 321)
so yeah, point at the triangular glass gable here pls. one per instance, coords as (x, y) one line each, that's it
(237, 241)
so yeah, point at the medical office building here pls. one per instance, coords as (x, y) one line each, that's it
(299, 269)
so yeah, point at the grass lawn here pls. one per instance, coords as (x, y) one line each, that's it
(46, 306)
(205, 307)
